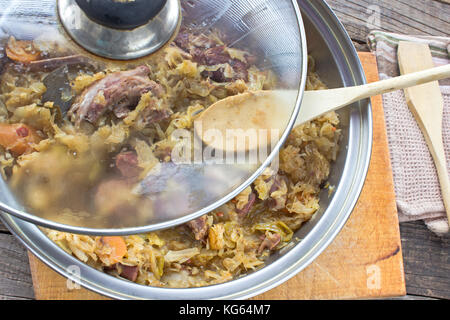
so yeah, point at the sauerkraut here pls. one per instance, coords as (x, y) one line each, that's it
(178, 83)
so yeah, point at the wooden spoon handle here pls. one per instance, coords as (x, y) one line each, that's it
(316, 103)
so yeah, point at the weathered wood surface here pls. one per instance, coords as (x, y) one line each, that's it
(15, 276)
(414, 17)
(426, 257)
(427, 261)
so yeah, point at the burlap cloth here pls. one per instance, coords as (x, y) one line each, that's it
(416, 182)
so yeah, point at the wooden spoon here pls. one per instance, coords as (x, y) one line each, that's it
(264, 111)
(426, 104)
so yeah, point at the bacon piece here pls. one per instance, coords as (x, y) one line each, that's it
(128, 272)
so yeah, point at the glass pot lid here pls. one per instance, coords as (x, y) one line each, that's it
(98, 107)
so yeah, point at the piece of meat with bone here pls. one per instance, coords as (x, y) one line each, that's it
(271, 240)
(277, 200)
(118, 92)
(246, 209)
(205, 51)
(152, 115)
(199, 227)
(188, 40)
(211, 56)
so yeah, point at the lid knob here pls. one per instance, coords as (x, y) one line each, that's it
(121, 14)
(120, 29)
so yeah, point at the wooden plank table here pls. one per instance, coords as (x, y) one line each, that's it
(426, 256)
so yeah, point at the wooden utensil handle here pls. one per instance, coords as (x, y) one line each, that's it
(441, 167)
(426, 104)
(402, 82)
(319, 102)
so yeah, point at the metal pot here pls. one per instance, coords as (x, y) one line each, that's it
(338, 65)
(280, 48)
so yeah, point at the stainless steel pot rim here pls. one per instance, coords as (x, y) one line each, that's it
(178, 221)
(291, 262)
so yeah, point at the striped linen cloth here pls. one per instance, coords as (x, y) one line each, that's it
(416, 182)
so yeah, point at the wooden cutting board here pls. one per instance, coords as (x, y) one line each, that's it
(364, 261)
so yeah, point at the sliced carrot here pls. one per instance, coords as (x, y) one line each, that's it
(118, 249)
(21, 50)
(18, 138)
